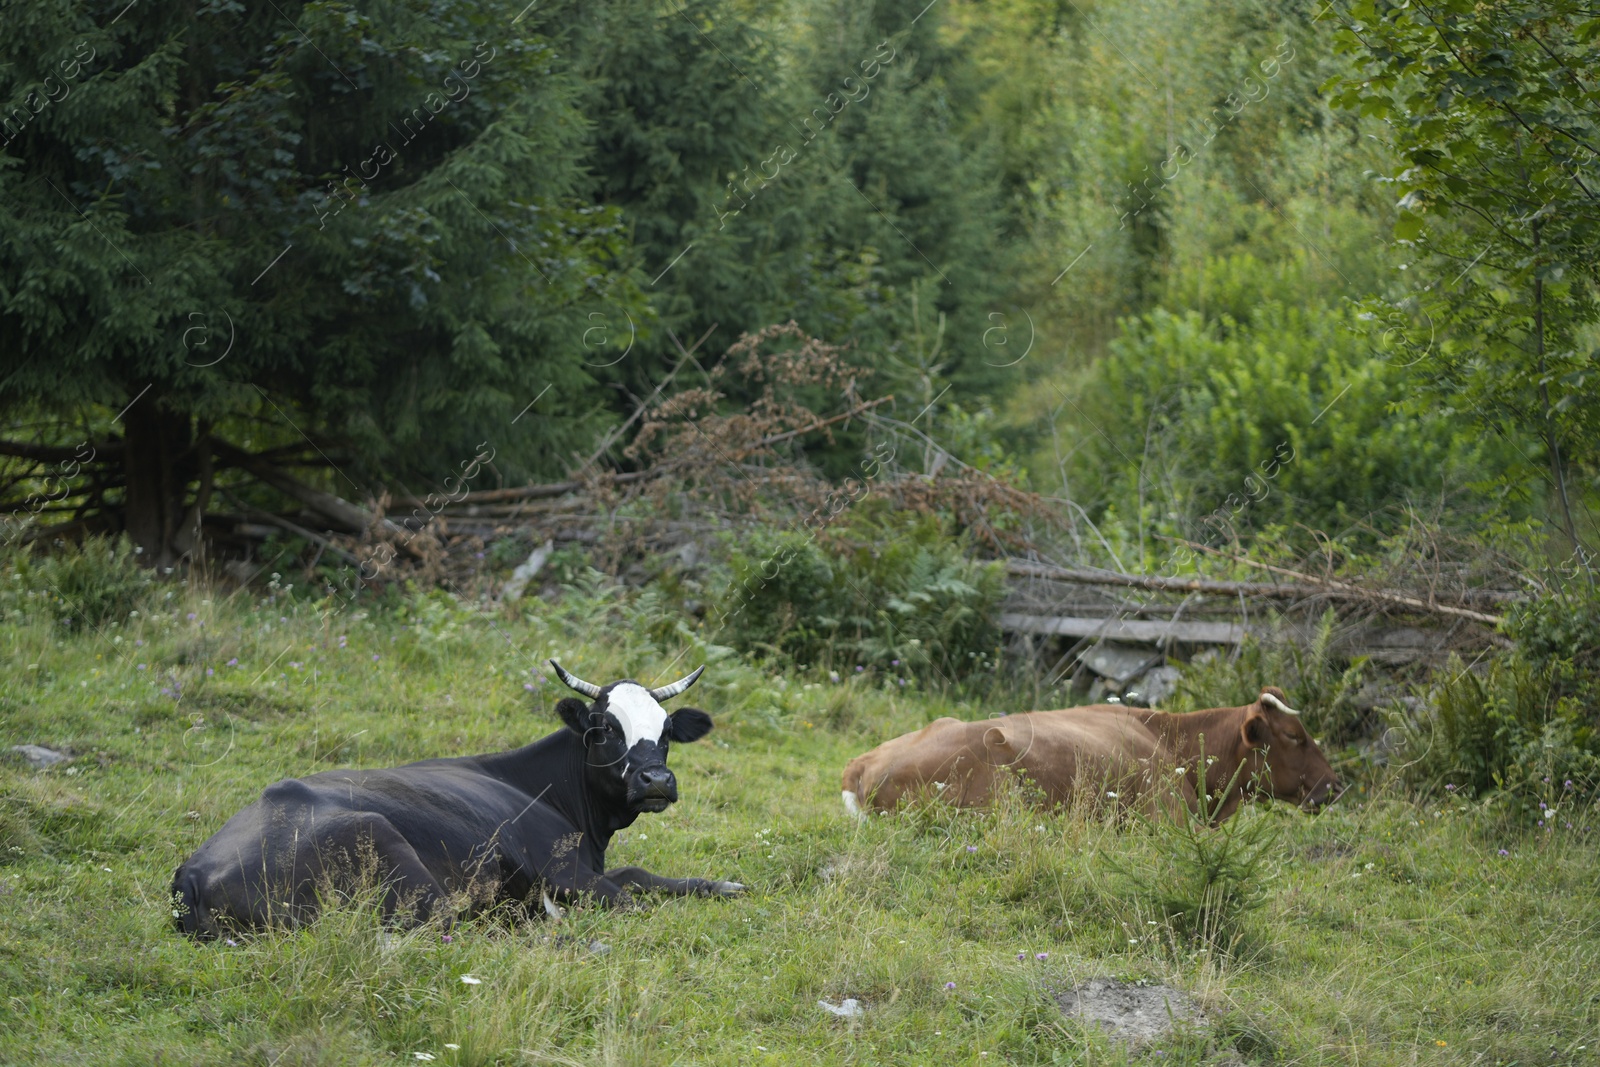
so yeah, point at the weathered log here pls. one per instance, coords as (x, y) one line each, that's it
(1144, 631)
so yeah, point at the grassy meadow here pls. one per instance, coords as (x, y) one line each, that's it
(1391, 929)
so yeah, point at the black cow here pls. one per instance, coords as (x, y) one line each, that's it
(496, 828)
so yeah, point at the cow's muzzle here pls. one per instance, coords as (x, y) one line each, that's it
(653, 789)
(1321, 795)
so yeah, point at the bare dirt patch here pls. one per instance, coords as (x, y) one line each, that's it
(1134, 1012)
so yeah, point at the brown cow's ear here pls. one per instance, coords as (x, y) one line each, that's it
(994, 736)
(1255, 731)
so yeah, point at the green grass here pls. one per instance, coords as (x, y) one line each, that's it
(1392, 932)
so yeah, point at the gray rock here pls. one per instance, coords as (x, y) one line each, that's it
(845, 1009)
(1152, 690)
(1119, 663)
(1131, 1012)
(40, 757)
(527, 571)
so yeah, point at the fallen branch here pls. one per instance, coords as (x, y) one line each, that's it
(1344, 591)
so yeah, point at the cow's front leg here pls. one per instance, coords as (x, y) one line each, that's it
(640, 878)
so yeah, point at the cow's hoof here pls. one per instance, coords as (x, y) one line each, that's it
(727, 889)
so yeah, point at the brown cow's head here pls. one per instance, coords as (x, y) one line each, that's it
(1296, 768)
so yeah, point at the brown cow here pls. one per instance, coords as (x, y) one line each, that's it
(1132, 755)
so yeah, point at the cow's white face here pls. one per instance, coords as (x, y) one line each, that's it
(626, 733)
(637, 712)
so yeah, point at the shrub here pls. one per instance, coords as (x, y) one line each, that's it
(1202, 879)
(896, 589)
(91, 583)
(1508, 729)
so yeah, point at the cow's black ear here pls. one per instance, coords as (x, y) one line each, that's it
(688, 724)
(572, 712)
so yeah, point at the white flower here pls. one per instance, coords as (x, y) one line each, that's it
(451, 1047)
(424, 1055)
(468, 979)
(1110, 794)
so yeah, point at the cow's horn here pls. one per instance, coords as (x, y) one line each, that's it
(679, 686)
(588, 689)
(1275, 702)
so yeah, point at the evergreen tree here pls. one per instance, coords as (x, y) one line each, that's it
(357, 222)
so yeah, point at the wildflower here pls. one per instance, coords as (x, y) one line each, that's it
(859, 668)
(972, 848)
(526, 685)
(295, 664)
(833, 676)
(1567, 784)
(1041, 956)
(144, 666)
(447, 939)
(1441, 1044)
(231, 943)
(1541, 803)
(138, 642)
(191, 616)
(949, 985)
(1503, 852)
(1450, 786)
(468, 979)
(424, 1055)
(475, 555)
(1110, 794)
(210, 672)
(450, 1046)
(1021, 956)
(894, 663)
(374, 657)
(234, 662)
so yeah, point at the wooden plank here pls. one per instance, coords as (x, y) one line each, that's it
(1140, 630)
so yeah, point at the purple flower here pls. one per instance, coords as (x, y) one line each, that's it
(283, 618)
(1503, 852)
(234, 662)
(138, 642)
(295, 664)
(447, 939)
(1568, 783)
(528, 686)
(478, 555)
(1021, 956)
(374, 657)
(894, 663)
(949, 985)
(1541, 822)
(1451, 786)
(859, 668)
(1041, 956)
(1547, 778)
(142, 666)
(230, 941)
(1541, 805)
(210, 672)
(972, 848)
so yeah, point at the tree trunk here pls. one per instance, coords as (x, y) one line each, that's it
(1552, 439)
(157, 443)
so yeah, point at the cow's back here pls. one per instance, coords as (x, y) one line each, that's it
(1106, 749)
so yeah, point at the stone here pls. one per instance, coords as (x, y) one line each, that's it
(40, 757)
(1120, 663)
(1132, 1012)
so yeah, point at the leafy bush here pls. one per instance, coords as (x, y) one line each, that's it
(899, 589)
(1289, 395)
(1508, 729)
(91, 583)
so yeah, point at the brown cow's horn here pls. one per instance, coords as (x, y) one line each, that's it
(588, 689)
(679, 686)
(1268, 698)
